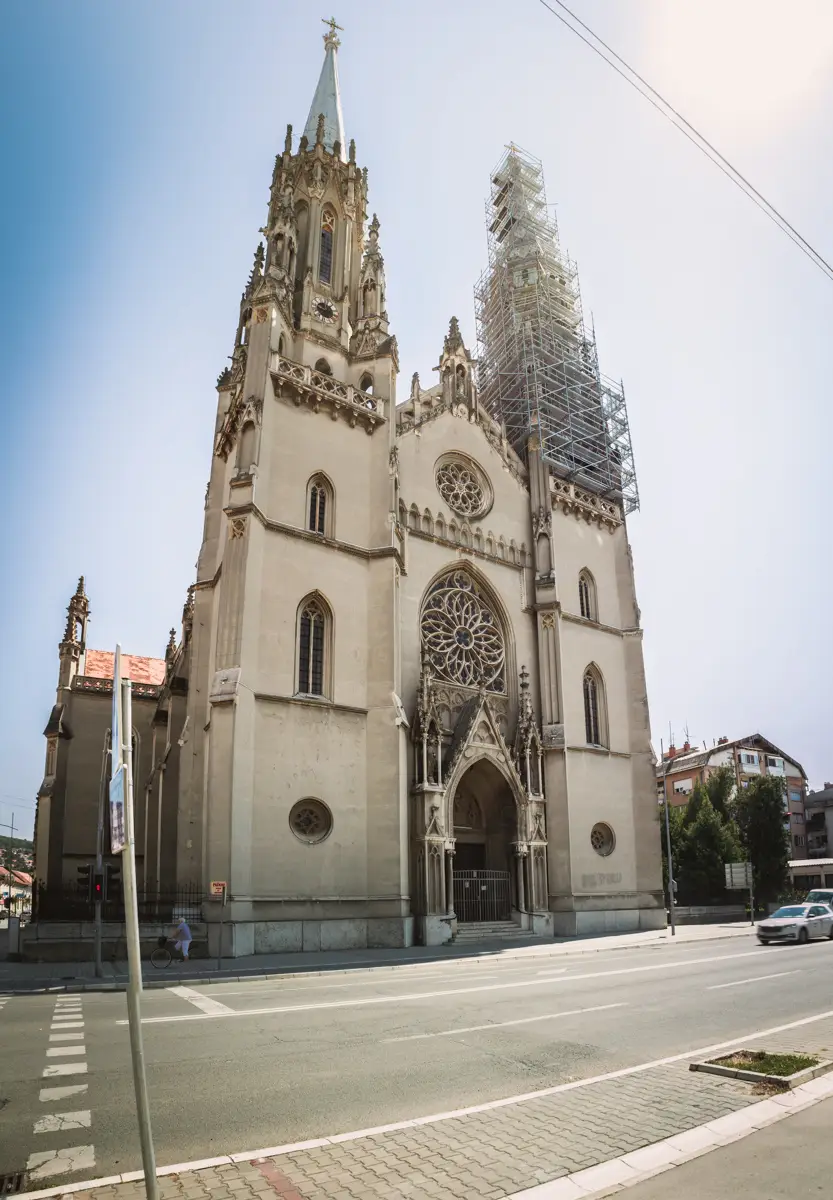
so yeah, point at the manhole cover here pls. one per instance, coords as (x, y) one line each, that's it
(9, 1184)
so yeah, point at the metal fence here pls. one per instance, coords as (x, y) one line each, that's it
(73, 903)
(482, 895)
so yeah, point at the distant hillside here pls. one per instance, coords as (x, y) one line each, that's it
(22, 851)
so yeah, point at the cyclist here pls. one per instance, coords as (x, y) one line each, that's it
(183, 938)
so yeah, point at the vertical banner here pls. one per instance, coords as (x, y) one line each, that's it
(118, 839)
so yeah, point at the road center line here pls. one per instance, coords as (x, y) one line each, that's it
(715, 987)
(211, 1008)
(573, 1012)
(364, 1001)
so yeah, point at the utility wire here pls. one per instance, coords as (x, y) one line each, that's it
(685, 127)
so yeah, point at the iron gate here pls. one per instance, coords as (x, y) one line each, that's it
(482, 896)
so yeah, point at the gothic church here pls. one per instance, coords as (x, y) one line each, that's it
(410, 692)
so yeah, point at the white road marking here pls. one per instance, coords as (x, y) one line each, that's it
(460, 991)
(269, 985)
(67, 1025)
(715, 987)
(65, 1037)
(63, 1051)
(47, 1163)
(79, 1068)
(415, 1037)
(58, 1122)
(204, 1003)
(61, 1093)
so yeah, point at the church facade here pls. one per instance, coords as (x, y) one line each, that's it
(415, 671)
(415, 694)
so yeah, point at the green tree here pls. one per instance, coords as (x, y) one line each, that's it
(720, 787)
(759, 814)
(676, 817)
(708, 843)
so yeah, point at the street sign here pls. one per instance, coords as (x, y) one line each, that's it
(118, 838)
(217, 887)
(738, 876)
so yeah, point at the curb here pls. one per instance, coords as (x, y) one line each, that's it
(120, 984)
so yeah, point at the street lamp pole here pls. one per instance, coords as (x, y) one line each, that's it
(671, 905)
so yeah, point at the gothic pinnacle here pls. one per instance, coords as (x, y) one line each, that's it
(352, 150)
(319, 130)
(288, 143)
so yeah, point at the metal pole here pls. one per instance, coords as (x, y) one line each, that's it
(222, 915)
(751, 896)
(671, 909)
(99, 851)
(134, 960)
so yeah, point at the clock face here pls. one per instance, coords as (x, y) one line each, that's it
(324, 310)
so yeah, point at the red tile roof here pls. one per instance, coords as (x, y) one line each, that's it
(98, 664)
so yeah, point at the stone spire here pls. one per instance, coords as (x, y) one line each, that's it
(327, 100)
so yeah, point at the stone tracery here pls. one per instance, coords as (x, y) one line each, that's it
(462, 635)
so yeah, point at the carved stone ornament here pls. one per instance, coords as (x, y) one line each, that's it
(261, 316)
(237, 528)
(553, 737)
(548, 620)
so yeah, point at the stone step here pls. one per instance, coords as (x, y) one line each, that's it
(489, 930)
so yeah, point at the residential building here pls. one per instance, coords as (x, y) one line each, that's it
(748, 757)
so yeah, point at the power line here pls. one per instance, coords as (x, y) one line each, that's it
(663, 106)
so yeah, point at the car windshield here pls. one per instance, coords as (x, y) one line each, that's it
(819, 897)
(792, 910)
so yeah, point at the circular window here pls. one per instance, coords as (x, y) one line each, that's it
(602, 839)
(311, 821)
(463, 487)
(462, 635)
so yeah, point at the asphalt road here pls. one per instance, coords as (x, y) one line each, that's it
(248, 1065)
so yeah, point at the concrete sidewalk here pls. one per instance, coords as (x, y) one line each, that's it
(17, 978)
(785, 1160)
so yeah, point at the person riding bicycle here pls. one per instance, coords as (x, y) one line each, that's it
(182, 934)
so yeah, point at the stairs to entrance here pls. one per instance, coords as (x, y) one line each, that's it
(470, 932)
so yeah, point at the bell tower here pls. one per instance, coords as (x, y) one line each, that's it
(292, 793)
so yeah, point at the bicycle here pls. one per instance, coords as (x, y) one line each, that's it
(161, 957)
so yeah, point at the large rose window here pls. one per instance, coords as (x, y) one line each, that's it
(463, 486)
(461, 634)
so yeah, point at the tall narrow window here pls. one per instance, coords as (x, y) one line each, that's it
(325, 254)
(595, 724)
(313, 655)
(587, 596)
(320, 506)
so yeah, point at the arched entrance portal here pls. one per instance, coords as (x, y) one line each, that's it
(485, 828)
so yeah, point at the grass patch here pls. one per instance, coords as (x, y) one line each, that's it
(767, 1064)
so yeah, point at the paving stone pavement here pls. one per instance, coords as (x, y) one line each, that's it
(486, 1155)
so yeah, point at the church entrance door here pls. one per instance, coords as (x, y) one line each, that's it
(484, 825)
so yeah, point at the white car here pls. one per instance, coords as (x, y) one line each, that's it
(797, 923)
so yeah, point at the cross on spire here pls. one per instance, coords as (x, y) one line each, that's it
(331, 36)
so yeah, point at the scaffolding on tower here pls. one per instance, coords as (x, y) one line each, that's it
(538, 366)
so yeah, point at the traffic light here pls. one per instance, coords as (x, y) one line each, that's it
(98, 886)
(112, 882)
(85, 881)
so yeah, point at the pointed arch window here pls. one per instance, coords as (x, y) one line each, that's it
(314, 647)
(246, 449)
(325, 253)
(587, 596)
(595, 709)
(320, 506)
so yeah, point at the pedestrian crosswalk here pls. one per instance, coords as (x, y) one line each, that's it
(65, 1056)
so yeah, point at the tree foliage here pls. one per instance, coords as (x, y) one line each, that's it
(759, 811)
(708, 843)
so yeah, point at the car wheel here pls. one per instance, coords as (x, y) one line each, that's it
(765, 941)
(802, 936)
(830, 934)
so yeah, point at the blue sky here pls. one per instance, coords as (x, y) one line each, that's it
(137, 153)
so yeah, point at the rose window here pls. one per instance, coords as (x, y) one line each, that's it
(460, 486)
(310, 821)
(462, 635)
